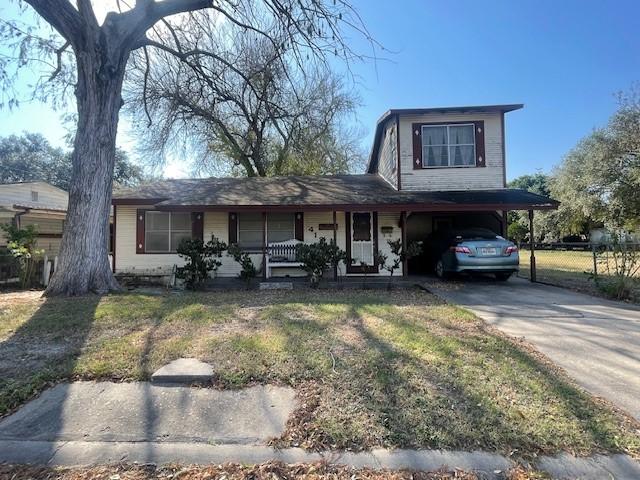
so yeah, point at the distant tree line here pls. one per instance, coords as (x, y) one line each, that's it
(597, 182)
(30, 157)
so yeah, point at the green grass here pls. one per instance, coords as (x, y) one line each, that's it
(372, 368)
(573, 269)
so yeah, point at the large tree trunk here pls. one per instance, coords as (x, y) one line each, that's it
(83, 264)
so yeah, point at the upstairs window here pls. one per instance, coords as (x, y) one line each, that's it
(34, 196)
(448, 146)
(165, 230)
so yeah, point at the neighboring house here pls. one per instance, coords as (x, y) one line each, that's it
(429, 168)
(35, 203)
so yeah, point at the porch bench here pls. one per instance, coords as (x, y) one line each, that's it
(281, 255)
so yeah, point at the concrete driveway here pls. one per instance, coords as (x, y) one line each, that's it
(596, 341)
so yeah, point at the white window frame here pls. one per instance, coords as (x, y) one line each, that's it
(448, 145)
(169, 232)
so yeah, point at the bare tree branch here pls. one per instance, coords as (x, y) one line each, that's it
(59, 53)
(61, 16)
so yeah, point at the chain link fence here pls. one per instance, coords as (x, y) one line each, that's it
(593, 268)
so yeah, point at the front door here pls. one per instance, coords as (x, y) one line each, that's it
(362, 242)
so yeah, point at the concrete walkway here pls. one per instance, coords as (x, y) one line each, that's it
(142, 412)
(86, 423)
(595, 340)
(486, 465)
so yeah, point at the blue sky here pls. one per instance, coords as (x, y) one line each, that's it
(563, 59)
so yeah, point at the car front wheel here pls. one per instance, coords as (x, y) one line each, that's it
(440, 271)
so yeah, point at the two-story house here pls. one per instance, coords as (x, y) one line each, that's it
(429, 168)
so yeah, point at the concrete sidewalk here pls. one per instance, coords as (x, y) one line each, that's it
(486, 465)
(596, 341)
(143, 412)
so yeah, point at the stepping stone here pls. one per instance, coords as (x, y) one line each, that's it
(184, 371)
(276, 286)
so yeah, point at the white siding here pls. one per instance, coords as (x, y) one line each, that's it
(126, 257)
(217, 223)
(20, 193)
(462, 178)
(127, 260)
(43, 224)
(388, 155)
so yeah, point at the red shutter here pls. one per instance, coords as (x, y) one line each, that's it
(233, 228)
(416, 134)
(140, 231)
(481, 160)
(197, 225)
(299, 226)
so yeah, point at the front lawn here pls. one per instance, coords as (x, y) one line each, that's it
(372, 368)
(574, 270)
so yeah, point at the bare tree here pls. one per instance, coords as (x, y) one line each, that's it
(261, 117)
(99, 55)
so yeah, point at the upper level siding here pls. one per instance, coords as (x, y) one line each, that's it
(490, 176)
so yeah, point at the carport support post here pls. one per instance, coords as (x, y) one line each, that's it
(532, 248)
(403, 230)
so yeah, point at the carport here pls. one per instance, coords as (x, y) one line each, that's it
(431, 211)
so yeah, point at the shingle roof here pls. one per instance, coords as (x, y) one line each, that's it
(316, 192)
(41, 206)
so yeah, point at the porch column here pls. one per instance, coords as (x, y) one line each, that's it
(264, 245)
(532, 264)
(403, 233)
(335, 241)
(505, 224)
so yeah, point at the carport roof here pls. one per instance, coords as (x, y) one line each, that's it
(332, 192)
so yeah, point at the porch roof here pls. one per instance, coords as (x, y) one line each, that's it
(334, 192)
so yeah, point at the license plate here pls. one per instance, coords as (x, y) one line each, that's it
(488, 251)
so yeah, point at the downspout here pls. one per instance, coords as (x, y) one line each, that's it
(16, 217)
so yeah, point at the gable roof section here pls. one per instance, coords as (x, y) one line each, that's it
(372, 167)
(339, 192)
(35, 182)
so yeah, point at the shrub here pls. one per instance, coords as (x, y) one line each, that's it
(517, 232)
(316, 257)
(400, 255)
(21, 243)
(622, 263)
(247, 268)
(201, 259)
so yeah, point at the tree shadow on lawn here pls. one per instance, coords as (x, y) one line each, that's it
(370, 373)
(420, 383)
(45, 348)
(501, 396)
(39, 353)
